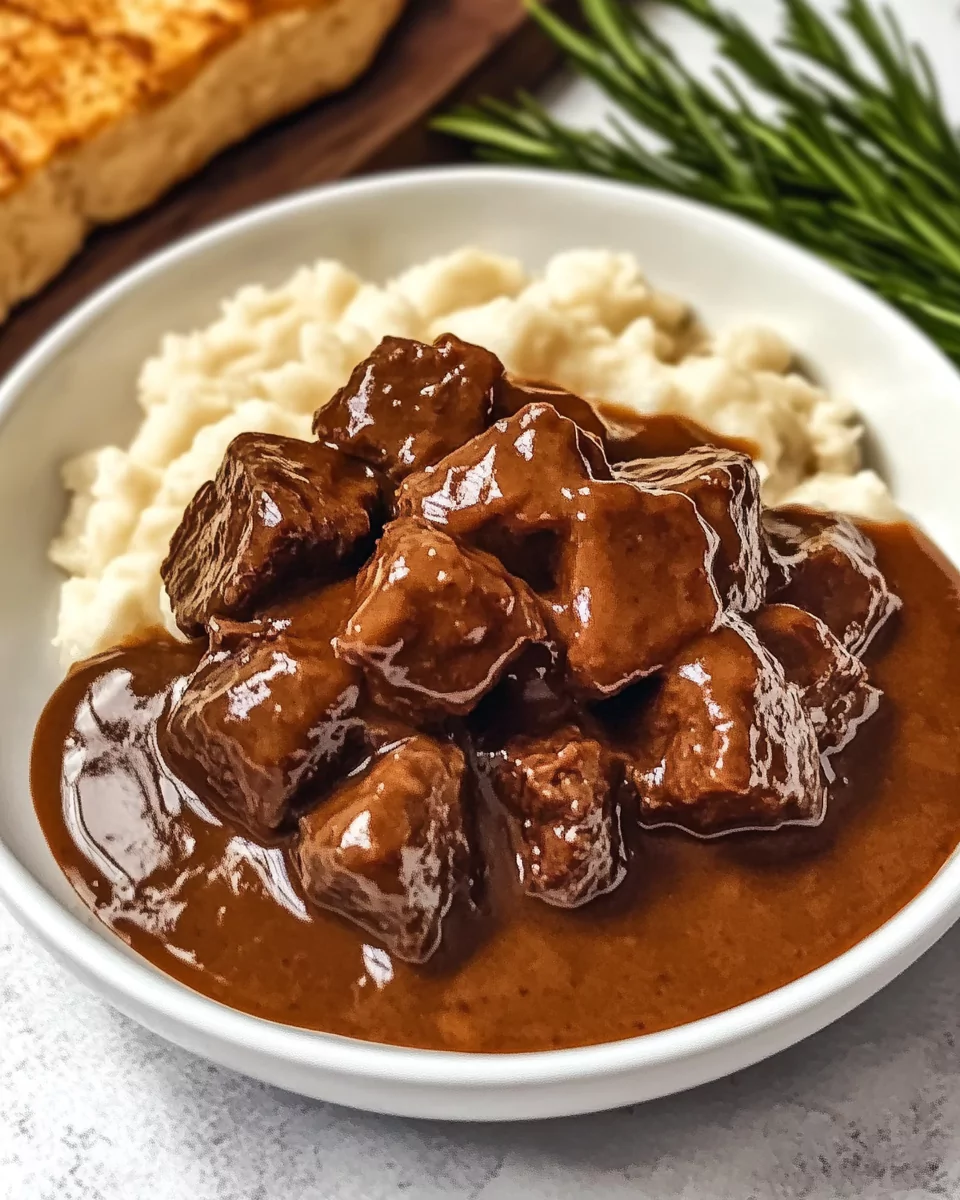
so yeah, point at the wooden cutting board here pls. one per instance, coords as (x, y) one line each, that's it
(441, 51)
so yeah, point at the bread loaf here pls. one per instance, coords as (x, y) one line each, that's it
(105, 103)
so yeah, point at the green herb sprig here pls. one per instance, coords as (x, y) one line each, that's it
(860, 164)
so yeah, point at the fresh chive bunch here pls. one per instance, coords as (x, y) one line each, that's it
(858, 163)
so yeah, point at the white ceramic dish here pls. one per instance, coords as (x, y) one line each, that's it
(75, 390)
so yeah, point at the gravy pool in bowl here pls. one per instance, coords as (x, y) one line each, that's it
(556, 792)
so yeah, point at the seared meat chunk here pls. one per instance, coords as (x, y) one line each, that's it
(388, 850)
(436, 624)
(727, 743)
(625, 569)
(515, 479)
(834, 684)
(409, 403)
(278, 507)
(635, 583)
(562, 791)
(509, 490)
(823, 563)
(725, 487)
(268, 709)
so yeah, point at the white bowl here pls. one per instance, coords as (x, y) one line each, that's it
(75, 390)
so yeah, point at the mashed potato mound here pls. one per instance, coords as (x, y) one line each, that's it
(590, 323)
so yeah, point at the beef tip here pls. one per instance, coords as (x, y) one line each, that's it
(509, 490)
(625, 570)
(725, 487)
(727, 743)
(823, 563)
(512, 480)
(277, 507)
(834, 684)
(562, 793)
(268, 710)
(635, 583)
(436, 624)
(388, 850)
(410, 403)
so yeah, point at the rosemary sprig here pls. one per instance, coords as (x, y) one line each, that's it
(860, 164)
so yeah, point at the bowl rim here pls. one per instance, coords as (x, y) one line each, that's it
(148, 988)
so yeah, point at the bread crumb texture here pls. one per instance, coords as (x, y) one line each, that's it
(590, 322)
(105, 103)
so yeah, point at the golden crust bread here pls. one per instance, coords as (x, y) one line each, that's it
(106, 103)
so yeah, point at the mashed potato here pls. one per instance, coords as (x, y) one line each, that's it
(590, 323)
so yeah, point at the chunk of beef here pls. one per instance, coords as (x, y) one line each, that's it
(268, 710)
(278, 507)
(727, 743)
(635, 583)
(562, 790)
(725, 487)
(436, 624)
(409, 403)
(514, 480)
(509, 490)
(388, 850)
(823, 563)
(626, 569)
(834, 684)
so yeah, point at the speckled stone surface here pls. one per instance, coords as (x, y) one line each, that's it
(94, 1108)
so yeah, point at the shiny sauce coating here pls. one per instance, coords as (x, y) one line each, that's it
(698, 927)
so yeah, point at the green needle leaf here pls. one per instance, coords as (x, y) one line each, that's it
(861, 165)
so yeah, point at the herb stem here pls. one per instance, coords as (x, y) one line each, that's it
(859, 164)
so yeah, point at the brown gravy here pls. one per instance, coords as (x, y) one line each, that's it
(701, 926)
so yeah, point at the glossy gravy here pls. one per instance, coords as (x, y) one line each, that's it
(698, 927)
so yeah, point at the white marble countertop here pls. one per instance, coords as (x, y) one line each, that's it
(94, 1108)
